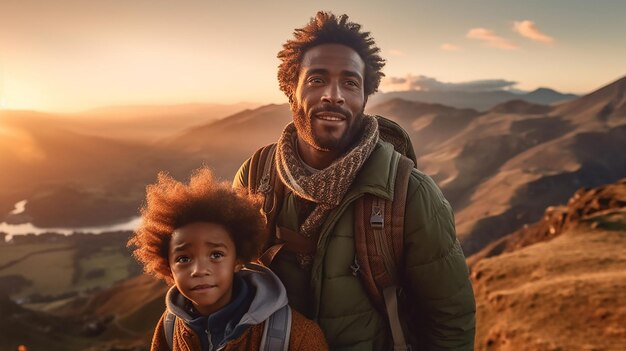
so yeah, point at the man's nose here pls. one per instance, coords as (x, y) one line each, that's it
(333, 94)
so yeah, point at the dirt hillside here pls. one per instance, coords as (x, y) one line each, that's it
(557, 284)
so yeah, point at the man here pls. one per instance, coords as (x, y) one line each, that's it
(326, 159)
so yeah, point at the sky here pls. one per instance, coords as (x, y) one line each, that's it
(73, 55)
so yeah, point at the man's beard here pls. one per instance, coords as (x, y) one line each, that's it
(304, 127)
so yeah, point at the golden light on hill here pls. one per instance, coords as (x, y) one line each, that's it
(24, 146)
(4, 131)
(29, 151)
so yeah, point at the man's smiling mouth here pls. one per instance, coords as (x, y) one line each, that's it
(330, 116)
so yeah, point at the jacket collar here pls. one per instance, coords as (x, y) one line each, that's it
(378, 174)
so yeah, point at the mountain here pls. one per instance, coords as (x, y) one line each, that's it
(225, 144)
(427, 124)
(512, 161)
(546, 96)
(146, 122)
(607, 106)
(481, 101)
(80, 178)
(70, 178)
(557, 284)
(521, 107)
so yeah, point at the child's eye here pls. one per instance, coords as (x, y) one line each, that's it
(183, 259)
(216, 255)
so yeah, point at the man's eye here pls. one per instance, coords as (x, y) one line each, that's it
(316, 80)
(183, 259)
(352, 83)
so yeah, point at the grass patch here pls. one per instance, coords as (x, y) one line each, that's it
(111, 265)
(12, 252)
(50, 272)
(58, 268)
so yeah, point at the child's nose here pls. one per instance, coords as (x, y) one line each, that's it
(201, 268)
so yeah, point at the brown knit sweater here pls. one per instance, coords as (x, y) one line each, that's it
(305, 336)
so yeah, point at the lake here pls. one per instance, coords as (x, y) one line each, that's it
(26, 228)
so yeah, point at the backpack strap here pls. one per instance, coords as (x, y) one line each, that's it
(277, 330)
(168, 328)
(263, 181)
(379, 246)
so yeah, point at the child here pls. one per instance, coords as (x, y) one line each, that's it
(199, 236)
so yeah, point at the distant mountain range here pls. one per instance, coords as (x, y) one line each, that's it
(499, 168)
(481, 101)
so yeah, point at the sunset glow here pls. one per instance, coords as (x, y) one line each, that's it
(82, 55)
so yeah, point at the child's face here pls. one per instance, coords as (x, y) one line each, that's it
(203, 259)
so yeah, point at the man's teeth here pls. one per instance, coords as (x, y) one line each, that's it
(330, 118)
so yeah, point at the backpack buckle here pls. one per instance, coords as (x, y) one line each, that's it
(264, 187)
(377, 220)
(355, 267)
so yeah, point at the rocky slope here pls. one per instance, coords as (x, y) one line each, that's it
(558, 284)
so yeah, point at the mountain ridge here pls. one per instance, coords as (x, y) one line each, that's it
(482, 101)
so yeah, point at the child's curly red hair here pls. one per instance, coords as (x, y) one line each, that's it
(171, 204)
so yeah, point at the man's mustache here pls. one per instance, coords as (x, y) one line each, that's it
(331, 108)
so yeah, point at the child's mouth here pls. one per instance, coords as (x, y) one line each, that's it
(203, 287)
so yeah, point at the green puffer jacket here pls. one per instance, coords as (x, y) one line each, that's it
(436, 278)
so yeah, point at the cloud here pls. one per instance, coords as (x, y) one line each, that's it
(395, 80)
(491, 39)
(529, 30)
(424, 83)
(395, 52)
(450, 47)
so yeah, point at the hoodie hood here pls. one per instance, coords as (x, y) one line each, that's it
(269, 296)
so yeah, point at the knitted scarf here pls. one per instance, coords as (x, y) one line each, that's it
(327, 187)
